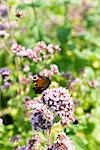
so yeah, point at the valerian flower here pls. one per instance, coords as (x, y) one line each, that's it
(41, 119)
(50, 72)
(58, 100)
(31, 104)
(16, 48)
(36, 54)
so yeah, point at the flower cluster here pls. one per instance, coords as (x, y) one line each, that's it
(32, 104)
(52, 103)
(5, 72)
(49, 73)
(58, 100)
(41, 118)
(38, 53)
(63, 143)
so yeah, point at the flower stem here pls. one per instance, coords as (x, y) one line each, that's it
(48, 137)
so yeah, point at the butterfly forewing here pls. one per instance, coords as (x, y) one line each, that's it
(41, 83)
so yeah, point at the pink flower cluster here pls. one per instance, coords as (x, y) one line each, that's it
(45, 108)
(58, 100)
(38, 53)
(49, 73)
(32, 104)
(53, 102)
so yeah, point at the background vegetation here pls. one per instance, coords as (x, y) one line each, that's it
(75, 27)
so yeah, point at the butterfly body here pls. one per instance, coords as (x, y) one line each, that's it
(41, 83)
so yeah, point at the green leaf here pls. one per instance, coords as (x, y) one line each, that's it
(63, 34)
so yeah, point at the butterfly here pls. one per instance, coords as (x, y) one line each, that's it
(41, 83)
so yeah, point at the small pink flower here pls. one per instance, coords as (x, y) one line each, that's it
(42, 45)
(26, 68)
(16, 48)
(46, 73)
(22, 53)
(54, 69)
(49, 73)
(33, 104)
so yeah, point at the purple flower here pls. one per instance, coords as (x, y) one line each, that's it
(2, 27)
(6, 85)
(23, 148)
(58, 100)
(41, 119)
(5, 72)
(3, 10)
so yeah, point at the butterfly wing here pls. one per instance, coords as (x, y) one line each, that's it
(41, 83)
